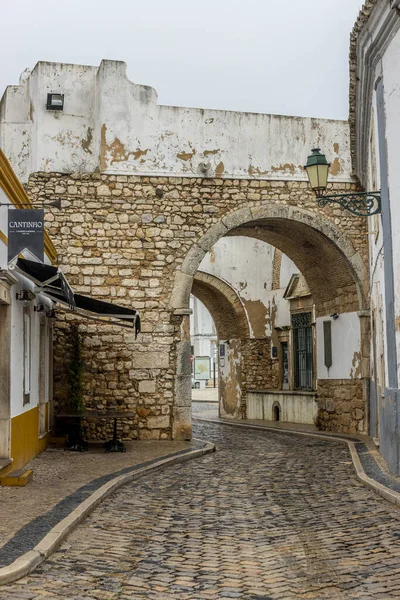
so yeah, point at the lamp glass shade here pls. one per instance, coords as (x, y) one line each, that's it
(317, 168)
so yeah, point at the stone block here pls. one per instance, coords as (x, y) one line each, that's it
(161, 422)
(147, 387)
(212, 235)
(103, 190)
(149, 434)
(183, 366)
(150, 360)
(182, 424)
(237, 218)
(180, 296)
(330, 406)
(183, 390)
(193, 259)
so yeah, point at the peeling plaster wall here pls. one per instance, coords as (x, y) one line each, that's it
(230, 381)
(247, 265)
(287, 269)
(346, 342)
(116, 126)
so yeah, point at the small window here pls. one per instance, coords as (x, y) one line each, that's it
(302, 351)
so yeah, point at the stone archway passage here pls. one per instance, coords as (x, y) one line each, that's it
(120, 237)
(224, 305)
(232, 327)
(336, 276)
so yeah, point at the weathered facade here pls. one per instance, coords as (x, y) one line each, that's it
(374, 121)
(26, 347)
(147, 191)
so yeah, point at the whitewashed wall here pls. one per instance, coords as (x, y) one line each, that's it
(247, 265)
(110, 123)
(346, 339)
(390, 64)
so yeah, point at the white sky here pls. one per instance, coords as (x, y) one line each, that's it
(271, 56)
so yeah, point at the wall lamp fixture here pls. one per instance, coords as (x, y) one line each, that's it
(49, 312)
(25, 296)
(55, 102)
(361, 204)
(334, 316)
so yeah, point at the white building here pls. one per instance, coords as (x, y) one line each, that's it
(375, 123)
(203, 341)
(26, 331)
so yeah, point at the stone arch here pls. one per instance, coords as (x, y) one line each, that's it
(323, 252)
(333, 268)
(232, 326)
(224, 304)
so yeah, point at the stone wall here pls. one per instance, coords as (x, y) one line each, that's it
(341, 405)
(261, 371)
(126, 238)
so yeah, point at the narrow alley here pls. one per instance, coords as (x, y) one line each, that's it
(268, 516)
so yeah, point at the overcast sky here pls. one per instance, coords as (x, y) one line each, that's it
(271, 56)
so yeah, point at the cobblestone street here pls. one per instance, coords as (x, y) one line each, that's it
(268, 516)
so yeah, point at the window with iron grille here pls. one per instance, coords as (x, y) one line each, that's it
(302, 351)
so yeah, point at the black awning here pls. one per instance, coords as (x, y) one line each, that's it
(37, 272)
(45, 276)
(52, 283)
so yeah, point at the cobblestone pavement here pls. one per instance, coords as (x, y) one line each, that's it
(57, 474)
(267, 517)
(205, 410)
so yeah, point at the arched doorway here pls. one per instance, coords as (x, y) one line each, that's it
(232, 327)
(338, 280)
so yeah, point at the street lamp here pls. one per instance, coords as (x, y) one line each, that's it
(362, 204)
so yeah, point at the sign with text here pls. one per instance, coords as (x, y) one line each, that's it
(26, 232)
(202, 367)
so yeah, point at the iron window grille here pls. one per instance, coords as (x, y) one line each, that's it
(303, 350)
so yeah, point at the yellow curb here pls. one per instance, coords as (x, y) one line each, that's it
(383, 491)
(26, 563)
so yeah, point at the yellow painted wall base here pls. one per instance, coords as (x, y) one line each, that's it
(16, 478)
(25, 442)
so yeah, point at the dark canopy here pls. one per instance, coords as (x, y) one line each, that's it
(52, 283)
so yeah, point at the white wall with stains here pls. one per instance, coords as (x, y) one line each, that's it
(247, 265)
(390, 67)
(117, 126)
(346, 341)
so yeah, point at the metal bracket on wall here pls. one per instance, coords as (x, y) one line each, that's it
(361, 204)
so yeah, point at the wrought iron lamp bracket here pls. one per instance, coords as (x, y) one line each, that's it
(361, 204)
